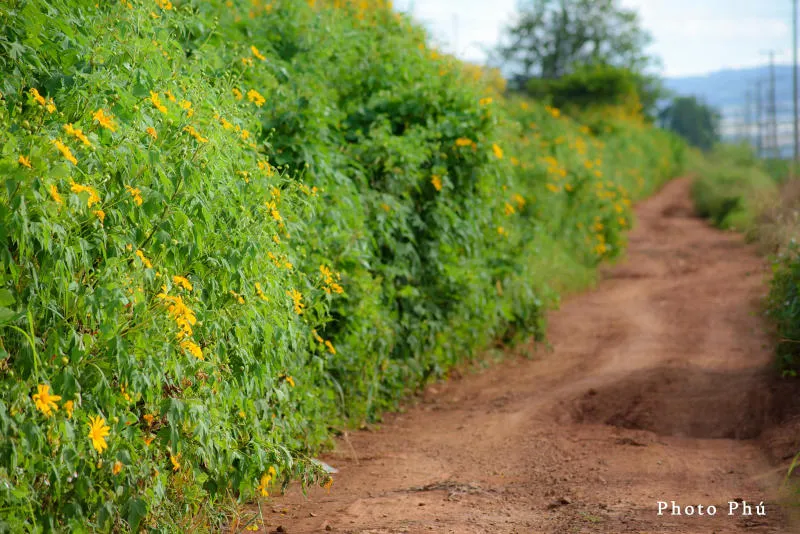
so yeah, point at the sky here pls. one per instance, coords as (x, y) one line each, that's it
(691, 37)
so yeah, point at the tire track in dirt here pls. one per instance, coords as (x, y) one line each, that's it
(658, 388)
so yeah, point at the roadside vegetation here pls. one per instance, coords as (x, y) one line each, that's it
(230, 229)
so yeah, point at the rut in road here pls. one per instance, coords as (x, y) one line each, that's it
(657, 388)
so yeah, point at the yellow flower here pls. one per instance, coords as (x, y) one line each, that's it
(53, 190)
(175, 460)
(289, 380)
(94, 198)
(144, 259)
(330, 347)
(24, 161)
(385, 207)
(117, 468)
(297, 299)
(237, 296)
(65, 151)
(98, 430)
(69, 407)
(600, 249)
(166, 5)
(182, 282)
(508, 209)
(463, 141)
(185, 104)
(245, 135)
(485, 101)
(135, 193)
(502, 231)
(553, 188)
(76, 132)
(518, 199)
(237, 94)
(106, 121)
(154, 98)
(148, 418)
(256, 53)
(260, 292)
(192, 348)
(36, 96)
(498, 152)
(194, 133)
(264, 484)
(622, 222)
(328, 483)
(255, 97)
(152, 132)
(247, 61)
(184, 317)
(44, 401)
(437, 182)
(100, 215)
(148, 440)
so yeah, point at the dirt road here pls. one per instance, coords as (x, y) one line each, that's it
(657, 389)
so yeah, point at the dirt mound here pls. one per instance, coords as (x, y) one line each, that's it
(686, 402)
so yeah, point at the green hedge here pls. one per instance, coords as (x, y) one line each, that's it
(731, 188)
(230, 228)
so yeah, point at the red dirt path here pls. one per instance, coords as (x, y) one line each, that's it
(658, 388)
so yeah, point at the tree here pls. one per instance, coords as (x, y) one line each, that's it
(693, 120)
(551, 37)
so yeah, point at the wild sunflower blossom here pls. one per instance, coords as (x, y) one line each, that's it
(24, 161)
(135, 193)
(264, 482)
(255, 97)
(98, 431)
(194, 133)
(437, 182)
(183, 316)
(297, 300)
(94, 198)
(156, 101)
(464, 141)
(77, 133)
(182, 282)
(37, 97)
(53, 190)
(105, 120)
(498, 152)
(65, 151)
(257, 54)
(175, 460)
(237, 94)
(45, 402)
(152, 132)
(187, 106)
(144, 260)
(192, 348)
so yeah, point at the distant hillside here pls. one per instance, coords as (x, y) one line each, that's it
(726, 89)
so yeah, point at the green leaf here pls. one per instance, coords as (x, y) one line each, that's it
(6, 297)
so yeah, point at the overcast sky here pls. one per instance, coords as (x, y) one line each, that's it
(690, 36)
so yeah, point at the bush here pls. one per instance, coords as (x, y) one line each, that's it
(731, 189)
(229, 228)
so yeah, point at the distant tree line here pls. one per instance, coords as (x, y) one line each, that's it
(584, 53)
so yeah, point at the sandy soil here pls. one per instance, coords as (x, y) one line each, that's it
(657, 388)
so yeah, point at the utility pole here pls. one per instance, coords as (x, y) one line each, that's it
(759, 120)
(748, 117)
(794, 87)
(773, 116)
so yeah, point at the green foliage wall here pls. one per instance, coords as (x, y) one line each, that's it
(230, 228)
